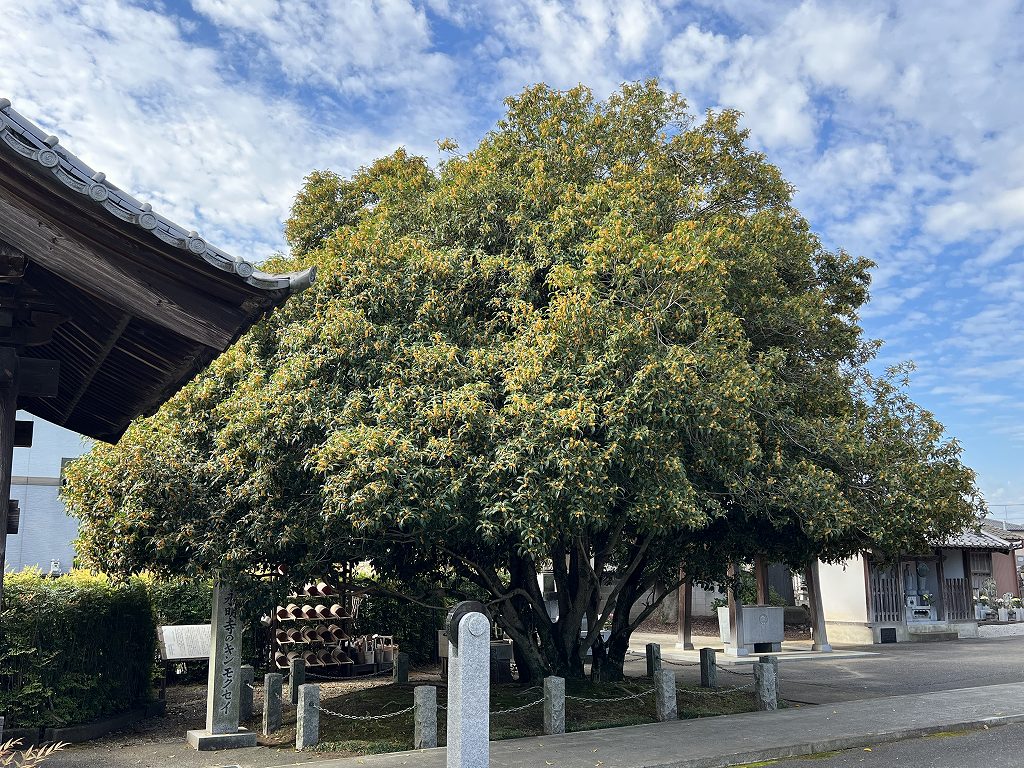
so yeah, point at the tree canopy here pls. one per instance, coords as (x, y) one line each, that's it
(602, 342)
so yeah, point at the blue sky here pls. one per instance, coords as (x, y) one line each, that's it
(901, 124)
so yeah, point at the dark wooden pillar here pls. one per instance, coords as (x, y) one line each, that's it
(8, 412)
(761, 578)
(684, 618)
(735, 615)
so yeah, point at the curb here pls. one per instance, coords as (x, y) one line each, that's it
(838, 744)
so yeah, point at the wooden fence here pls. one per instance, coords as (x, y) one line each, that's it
(957, 600)
(886, 598)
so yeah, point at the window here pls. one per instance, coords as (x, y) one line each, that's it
(981, 568)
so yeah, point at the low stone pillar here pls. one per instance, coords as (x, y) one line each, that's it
(424, 715)
(296, 679)
(765, 691)
(401, 671)
(708, 670)
(307, 717)
(653, 658)
(248, 677)
(665, 695)
(554, 705)
(272, 683)
(773, 660)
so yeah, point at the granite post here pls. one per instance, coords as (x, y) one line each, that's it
(765, 691)
(653, 658)
(401, 670)
(708, 670)
(773, 662)
(554, 705)
(307, 717)
(424, 717)
(245, 692)
(271, 703)
(223, 690)
(469, 687)
(665, 695)
(296, 679)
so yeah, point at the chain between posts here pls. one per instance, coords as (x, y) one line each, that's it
(517, 709)
(641, 655)
(619, 698)
(714, 691)
(350, 677)
(734, 672)
(365, 717)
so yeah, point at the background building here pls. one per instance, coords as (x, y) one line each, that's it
(46, 532)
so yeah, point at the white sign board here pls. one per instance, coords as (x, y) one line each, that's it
(186, 642)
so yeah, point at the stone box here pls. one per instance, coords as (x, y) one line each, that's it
(761, 624)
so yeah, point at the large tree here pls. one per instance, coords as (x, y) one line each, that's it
(601, 342)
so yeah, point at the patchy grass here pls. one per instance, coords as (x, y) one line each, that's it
(609, 705)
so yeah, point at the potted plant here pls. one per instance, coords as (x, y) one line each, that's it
(981, 606)
(1003, 608)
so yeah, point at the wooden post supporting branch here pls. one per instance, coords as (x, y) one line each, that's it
(684, 615)
(761, 578)
(8, 412)
(819, 637)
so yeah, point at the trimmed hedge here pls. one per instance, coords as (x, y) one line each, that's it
(74, 649)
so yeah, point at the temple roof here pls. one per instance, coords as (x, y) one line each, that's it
(144, 303)
(982, 539)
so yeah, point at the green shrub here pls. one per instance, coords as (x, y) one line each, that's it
(74, 649)
(181, 601)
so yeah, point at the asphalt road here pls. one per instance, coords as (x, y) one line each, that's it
(897, 669)
(1001, 747)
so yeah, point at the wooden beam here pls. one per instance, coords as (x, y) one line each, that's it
(23, 430)
(97, 363)
(135, 289)
(38, 378)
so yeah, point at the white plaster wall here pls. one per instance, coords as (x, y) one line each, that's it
(843, 595)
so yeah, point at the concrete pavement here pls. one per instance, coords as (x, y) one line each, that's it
(728, 740)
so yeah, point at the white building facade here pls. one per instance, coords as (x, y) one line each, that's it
(46, 532)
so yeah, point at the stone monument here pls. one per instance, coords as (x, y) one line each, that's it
(469, 686)
(223, 690)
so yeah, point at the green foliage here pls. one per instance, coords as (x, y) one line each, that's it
(180, 601)
(602, 340)
(414, 625)
(74, 649)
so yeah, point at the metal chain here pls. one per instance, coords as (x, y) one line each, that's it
(518, 709)
(641, 654)
(733, 672)
(608, 701)
(365, 717)
(349, 677)
(713, 691)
